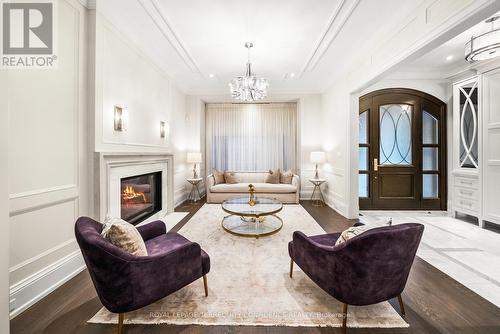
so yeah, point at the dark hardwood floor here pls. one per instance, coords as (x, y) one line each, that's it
(435, 303)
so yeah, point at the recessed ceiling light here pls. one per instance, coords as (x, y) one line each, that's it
(292, 75)
(211, 75)
(450, 57)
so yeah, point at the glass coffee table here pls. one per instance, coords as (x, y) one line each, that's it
(252, 221)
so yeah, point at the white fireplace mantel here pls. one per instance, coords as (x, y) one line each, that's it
(115, 166)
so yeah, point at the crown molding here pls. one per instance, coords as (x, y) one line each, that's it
(329, 35)
(89, 4)
(152, 8)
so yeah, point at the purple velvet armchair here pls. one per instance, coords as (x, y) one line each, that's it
(125, 282)
(367, 269)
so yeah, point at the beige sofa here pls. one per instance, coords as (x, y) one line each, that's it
(285, 193)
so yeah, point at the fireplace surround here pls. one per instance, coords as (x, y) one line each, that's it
(146, 175)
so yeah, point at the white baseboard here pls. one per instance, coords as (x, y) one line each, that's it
(336, 204)
(38, 285)
(330, 199)
(305, 195)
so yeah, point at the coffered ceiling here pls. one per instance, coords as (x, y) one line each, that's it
(301, 46)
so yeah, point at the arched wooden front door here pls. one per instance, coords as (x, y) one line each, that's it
(402, 150)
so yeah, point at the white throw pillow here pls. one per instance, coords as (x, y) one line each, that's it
(124, 235)
(351, 232)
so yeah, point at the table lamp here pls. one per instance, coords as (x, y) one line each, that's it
(317, 158)
(194, 158)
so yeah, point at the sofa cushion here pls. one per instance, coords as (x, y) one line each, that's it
(168, 242)
(231, 177)
(268, 188)
(252, 177)
(273, 176)
(286, 177)
(218, 176)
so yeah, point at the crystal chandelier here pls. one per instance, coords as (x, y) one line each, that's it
(248, 87)
(484, 46)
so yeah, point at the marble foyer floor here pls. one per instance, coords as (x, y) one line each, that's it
(462, 250)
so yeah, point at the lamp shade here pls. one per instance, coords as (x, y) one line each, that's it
(194, 157)
(318, 157)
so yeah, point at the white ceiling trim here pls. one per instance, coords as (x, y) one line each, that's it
(331, 32)
(154, 11)
(89, 4)
(323, 36)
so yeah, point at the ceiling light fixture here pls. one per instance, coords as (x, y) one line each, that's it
(450, 57)
(292, 75)
(211, 75)
(484, 46)
(248, 87)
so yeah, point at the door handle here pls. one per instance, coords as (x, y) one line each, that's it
(375, 164)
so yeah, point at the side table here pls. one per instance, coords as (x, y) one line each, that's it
(195, 191)
(317, 196)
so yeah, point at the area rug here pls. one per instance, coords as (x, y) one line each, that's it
(249, 283)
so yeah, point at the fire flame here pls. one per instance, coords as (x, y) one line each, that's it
(129, 193)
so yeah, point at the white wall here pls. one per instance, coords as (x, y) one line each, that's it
(309, 123)
(4, 206)
(195, 118)
(126, 77)
(429, 25)
(334, 120)
(48, 172)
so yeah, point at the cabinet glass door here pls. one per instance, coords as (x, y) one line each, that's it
(468, 126)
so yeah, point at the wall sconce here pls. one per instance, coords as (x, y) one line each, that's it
(121, 119)
(164, 129)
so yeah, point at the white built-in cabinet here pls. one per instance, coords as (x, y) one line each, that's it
(466, 147)
(476, 147)
(490, 170)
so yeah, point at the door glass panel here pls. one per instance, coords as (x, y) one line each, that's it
(363, 128)
(363, 158)
(468, 126)
(430, 184)
(430, 158)
(363, 185)
(395, 134)
(429, 129)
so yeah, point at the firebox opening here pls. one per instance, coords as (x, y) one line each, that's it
(140, 197)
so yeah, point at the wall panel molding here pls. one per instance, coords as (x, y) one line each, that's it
(39, 272)
(37, 199)
(38, 285)
(41, 255)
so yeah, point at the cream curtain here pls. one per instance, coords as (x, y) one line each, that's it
(251, 137)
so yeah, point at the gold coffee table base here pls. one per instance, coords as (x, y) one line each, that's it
(252, 227)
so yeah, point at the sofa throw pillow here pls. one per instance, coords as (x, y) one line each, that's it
(286, 177)
(124, 235)
(351, 232)
(230, 177)
(218, 176)
(273, 176)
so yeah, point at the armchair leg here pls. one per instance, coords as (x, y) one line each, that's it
(401, 305)
(205, 285)
(344, 319)
(120, 323)
(291, 267)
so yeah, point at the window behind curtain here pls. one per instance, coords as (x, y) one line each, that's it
(251, 137)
